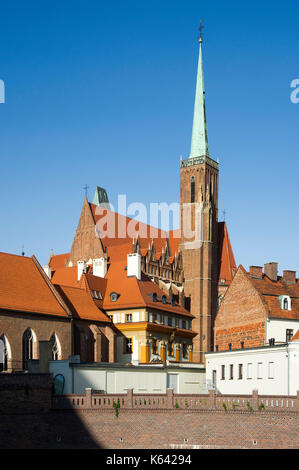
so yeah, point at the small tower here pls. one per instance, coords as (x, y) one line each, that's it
(199, 206)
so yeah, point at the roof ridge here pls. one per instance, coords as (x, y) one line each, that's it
(51, 287)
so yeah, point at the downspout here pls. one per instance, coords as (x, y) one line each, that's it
(288, 355)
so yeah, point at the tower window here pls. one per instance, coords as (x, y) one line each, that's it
(192, 188)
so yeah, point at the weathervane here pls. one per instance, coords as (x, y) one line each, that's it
(201, 27)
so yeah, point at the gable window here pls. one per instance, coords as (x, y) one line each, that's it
(289, 335)
(285, 302)
(114, 296)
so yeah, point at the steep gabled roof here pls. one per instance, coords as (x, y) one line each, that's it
(25, 287)
(226, 260)
(58, 261)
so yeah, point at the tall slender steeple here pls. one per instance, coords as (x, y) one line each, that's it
(199, 143)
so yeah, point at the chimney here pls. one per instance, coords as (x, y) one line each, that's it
(134, 265)
(99, 267)
(270, 269)
(81, 268)
(48, 271)
(256, 272)
(289, 277)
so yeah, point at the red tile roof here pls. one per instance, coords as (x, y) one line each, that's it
(59, 261)
(134, 293)
(25, 287)
(81, 304)
(226, 260)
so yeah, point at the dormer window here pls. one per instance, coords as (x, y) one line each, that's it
(154, 297)
(285, 302)
(114, 296)
(163, 299)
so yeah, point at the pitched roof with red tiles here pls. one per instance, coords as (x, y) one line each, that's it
(270, 291)
(134, 293)
(226, 260)
(58, 261)
(81, 304)
(25, 287)
(123, 231)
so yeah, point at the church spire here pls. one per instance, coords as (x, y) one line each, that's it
(199, 143)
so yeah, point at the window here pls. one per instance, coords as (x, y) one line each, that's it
(184, 324)
(231, 371)
(27, 347)
(154, 318)
(249, 370)
(192, 189)
(169, 321)
(3, 353)
(129, 317)
(170, 349)
(271, 370)
(289, 335)
(185, 350)
(259, 370)
(155, 345)
(111, 317)
(54, 347)
(223, 372)
(163, 299)
(114, 296)
(128, 345)
(240, 371)
(162, 319)
(285, 304)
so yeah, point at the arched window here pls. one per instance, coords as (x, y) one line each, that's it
(4, 354)
(285, 304)
(192, 189)
(55, 350)
(27, 347)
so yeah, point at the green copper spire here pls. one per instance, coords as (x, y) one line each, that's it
(199, 143)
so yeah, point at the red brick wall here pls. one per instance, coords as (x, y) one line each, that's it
(13, 325)
(241, 316)
(151, 430)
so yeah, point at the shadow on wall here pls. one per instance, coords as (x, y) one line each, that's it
(28, 422)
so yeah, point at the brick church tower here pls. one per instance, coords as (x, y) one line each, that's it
(199, 226)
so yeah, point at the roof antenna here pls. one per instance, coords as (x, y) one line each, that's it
(23, 252)
(86, 188)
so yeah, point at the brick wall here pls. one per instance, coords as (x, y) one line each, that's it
(241, 316)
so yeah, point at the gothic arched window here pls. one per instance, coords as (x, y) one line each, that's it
(27, 347)
(54, 347)
(3, 353)
(192, 189)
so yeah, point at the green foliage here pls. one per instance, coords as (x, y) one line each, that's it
(261, 406)
(186, 404)
(224, 406)
(235, 405)
(249, 407)
(116, 407)
(176, 404)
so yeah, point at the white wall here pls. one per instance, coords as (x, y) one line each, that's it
(276, 328)
(150, 379)
(285, 365)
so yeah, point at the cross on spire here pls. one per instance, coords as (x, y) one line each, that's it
(201, 27)
(86, 188)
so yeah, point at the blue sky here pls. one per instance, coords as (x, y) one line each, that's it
(101, 93)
